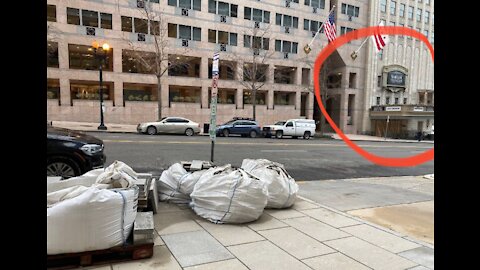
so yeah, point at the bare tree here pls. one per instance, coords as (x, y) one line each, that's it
(255, 68)
(157, 62)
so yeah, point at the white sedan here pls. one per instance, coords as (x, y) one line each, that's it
(170, 125)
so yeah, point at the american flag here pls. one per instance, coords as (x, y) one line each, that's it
(379, 41)
(330, 30)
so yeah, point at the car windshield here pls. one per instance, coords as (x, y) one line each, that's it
(280, 123)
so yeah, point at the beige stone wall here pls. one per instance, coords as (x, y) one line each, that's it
(134, 112)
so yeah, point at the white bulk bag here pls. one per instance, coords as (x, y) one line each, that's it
(118, 175)
(282, 189)
(87, 179)
(176, 184)
(84, 219)
(227, 195)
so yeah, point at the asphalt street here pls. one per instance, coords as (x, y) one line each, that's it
(314, 159)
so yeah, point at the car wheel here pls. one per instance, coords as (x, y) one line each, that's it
(306, 136)
(225, 133)
(279, 134)
(151, 130)
(253, 134)
(63, 167)
(189, 132)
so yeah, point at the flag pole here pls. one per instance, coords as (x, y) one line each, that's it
(355, 53)
(307, 47)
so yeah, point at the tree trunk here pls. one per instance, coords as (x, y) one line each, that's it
(254, 101)
(159, 96)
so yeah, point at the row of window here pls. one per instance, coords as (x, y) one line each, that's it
(89, 18)
(401, 11)
(89, 90)
(83, 57)
(396, 100)
(425, 31)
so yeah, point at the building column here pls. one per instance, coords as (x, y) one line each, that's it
(204, 96)
(204, 68)
(271, 73)
(165, 96)
(270, 95)
(63, 55)
(425, 98)
(343, 111)
(239, 98)
(298, 76)
(310, 105)
(65, 99)
(118, 93)
(298, 101)
(117, 58)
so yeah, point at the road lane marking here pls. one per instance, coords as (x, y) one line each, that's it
(284, 150)
(263, 144)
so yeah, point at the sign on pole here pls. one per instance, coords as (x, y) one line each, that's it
(213, 103)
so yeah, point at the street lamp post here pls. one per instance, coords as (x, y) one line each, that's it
(101, 57)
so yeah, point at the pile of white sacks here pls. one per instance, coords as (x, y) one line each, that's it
(225, 194)
(93, 211)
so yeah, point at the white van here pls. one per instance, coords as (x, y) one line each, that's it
(293, 127)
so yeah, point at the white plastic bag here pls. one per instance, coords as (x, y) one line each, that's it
(282, 189)
(176, 184)
(91, 219)
(118, 175)
(227, 195)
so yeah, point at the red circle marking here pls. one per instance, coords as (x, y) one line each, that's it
(329, 49)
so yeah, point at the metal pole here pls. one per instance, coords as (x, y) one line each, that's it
(102, 126)
(212, 151)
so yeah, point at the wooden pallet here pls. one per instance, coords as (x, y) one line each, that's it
(98, 257)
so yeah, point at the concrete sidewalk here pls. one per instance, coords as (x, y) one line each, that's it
(357, 137)
(309, 235)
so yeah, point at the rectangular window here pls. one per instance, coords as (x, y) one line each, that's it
(427, 17)
(222, 37)
(154, 28)
(53, 89)
(73, 16)
(184, 32)
(393, 7)
(283, 98)
(396, 101)
(141, 25)
(425, 32)
(197, 5)
(51, 13)
(247, 41)
(233, 39)
(83, 57)
(383, 5)
(352, 80)
(172, 3)
(260, 97)
(212, 6)
(378, 100)
(305, 76)
(90, 90)
(127, 25)
(89, 18)
(185, 4)
(410, 13)
(138, 62)
(172, 30)
(306, 24)
(52, 54)
(387, 100)
(224, 96)
(106, 20)
(197, 34)
(419, 15)
(223, 9)
(315, 3)
(404, 100)
(233, 10)
(350, 10)
(257, 15)
(139, 92)
(350, 107)
(402, 10)
(185, 94)
(379, 81)
(286, 46)
(212, 36)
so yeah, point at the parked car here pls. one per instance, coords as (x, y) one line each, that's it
(240, 126)
(170, 125)
(268, 130)
(72, 153)
(293, 127)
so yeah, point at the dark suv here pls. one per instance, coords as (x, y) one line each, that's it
(72, 153)
(241, 126)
